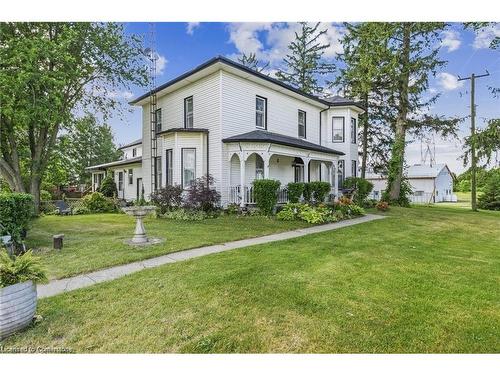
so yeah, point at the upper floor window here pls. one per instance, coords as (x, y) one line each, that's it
(302, 124)
(134, 152)
(188, 112)
(354, 131)
(261, 112)
(338, 131)
(158, 120)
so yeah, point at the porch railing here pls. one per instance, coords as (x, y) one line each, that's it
(236, 194)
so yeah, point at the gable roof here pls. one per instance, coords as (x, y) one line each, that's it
(115, 163)
(134, 143)
(241, 67)
(263, 136)
(417, 171)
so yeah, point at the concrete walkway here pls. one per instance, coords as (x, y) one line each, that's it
(81, 281)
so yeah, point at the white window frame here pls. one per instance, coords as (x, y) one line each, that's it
(259, 112)
(183, 150)
(334, 130)
(354, 131)
(302, 124)
(169, 166)
(158, 172)
(341, 173)
(130, 175)
(158, 120)
(120, 181)
(188, 115)
(354, 168)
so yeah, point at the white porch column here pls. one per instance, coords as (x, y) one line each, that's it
(335, 167)
(306, 169)
(242, 179)
(266, 159)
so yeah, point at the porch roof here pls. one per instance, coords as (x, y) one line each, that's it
(263, 136)
(115, 163)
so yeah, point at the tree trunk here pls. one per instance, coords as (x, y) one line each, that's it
(396, 163)
(365, 137)
(35, 191)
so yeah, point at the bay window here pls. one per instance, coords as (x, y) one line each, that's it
(188, 166)
(338, 130)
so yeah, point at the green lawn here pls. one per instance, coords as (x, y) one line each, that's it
(93, 242)
(426, 279)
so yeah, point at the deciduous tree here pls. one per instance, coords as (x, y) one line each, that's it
(48, 73)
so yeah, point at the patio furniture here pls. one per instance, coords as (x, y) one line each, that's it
(63, 208)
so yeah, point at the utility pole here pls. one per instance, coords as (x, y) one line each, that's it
(473, 160)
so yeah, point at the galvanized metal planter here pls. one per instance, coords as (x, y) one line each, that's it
(17, 307)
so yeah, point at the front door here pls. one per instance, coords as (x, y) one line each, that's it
(139, 188)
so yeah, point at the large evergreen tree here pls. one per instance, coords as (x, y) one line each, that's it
(304, 61)
(251, 61)
(49, 71)
(363, 76)
(412, 53)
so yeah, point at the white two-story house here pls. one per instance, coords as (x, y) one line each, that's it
(239, 125)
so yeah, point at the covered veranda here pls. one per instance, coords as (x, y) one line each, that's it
(298, 162)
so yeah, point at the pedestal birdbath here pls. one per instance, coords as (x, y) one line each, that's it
(140, 238)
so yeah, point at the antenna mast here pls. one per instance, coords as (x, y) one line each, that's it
(152, 56)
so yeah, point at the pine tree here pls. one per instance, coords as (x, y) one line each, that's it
(251, 61)
(305, 60)
(412, 53)
(364, 77)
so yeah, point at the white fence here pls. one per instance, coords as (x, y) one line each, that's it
(423, 198)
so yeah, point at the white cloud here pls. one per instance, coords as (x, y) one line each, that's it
(486, 35)
(449, 82)
(451, 40)
(269, 41)
(161, 63)
(191, 26)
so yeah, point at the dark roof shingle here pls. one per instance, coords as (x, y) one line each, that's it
(285, 140)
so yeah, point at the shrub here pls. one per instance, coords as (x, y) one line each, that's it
(266, 195)
(490, 199)
(19, 269)
(108, 187)
(295, 190)
(463, 186)
(167, 198)
(369, 203)
(382, 206)
(232, 209)
(202, 195)
(81, 210)
(16, 213)
(45, 195)
(362, 187)
(188, 215)
(290, 211)
(307, 193)
(98, 203)
(319, 190)
(314, 215)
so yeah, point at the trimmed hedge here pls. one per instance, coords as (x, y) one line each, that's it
(363, 188)
(16, 212)
(295, 191)
(319, 190)
(266, 194)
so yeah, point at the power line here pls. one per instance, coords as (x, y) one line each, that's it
(473, 159)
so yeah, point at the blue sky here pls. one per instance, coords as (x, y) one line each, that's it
(182, 46)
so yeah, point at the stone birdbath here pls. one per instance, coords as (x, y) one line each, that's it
(140, 238)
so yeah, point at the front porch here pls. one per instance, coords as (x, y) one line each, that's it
(283, 163)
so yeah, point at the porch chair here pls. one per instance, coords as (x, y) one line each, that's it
(63, 208)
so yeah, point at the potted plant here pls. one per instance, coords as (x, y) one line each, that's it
(18, 299)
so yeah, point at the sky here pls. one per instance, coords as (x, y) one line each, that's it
(182, 46)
